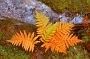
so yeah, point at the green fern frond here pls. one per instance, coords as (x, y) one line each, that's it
(49, 32)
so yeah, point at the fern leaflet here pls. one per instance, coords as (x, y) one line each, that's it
(26, 40)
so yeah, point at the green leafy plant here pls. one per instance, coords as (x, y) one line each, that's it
(83, 36)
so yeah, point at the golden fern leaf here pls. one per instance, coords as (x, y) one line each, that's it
(27, 41)
(61, 44)
(64, 28)
(54, 45)
(58, 41)
(41, 23)
(70, 40)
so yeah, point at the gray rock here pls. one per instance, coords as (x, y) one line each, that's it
(25, 11)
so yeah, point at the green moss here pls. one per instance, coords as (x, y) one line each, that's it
(73, 5)
(12, 53)
(77, 52)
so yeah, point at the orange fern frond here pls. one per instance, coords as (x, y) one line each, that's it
(54, 45)
(27, 41)
(61, 44)
(64, 28)
(61, 40)
(70, 40)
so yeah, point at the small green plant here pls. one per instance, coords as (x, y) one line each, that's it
(83, 36)
(77, 52)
